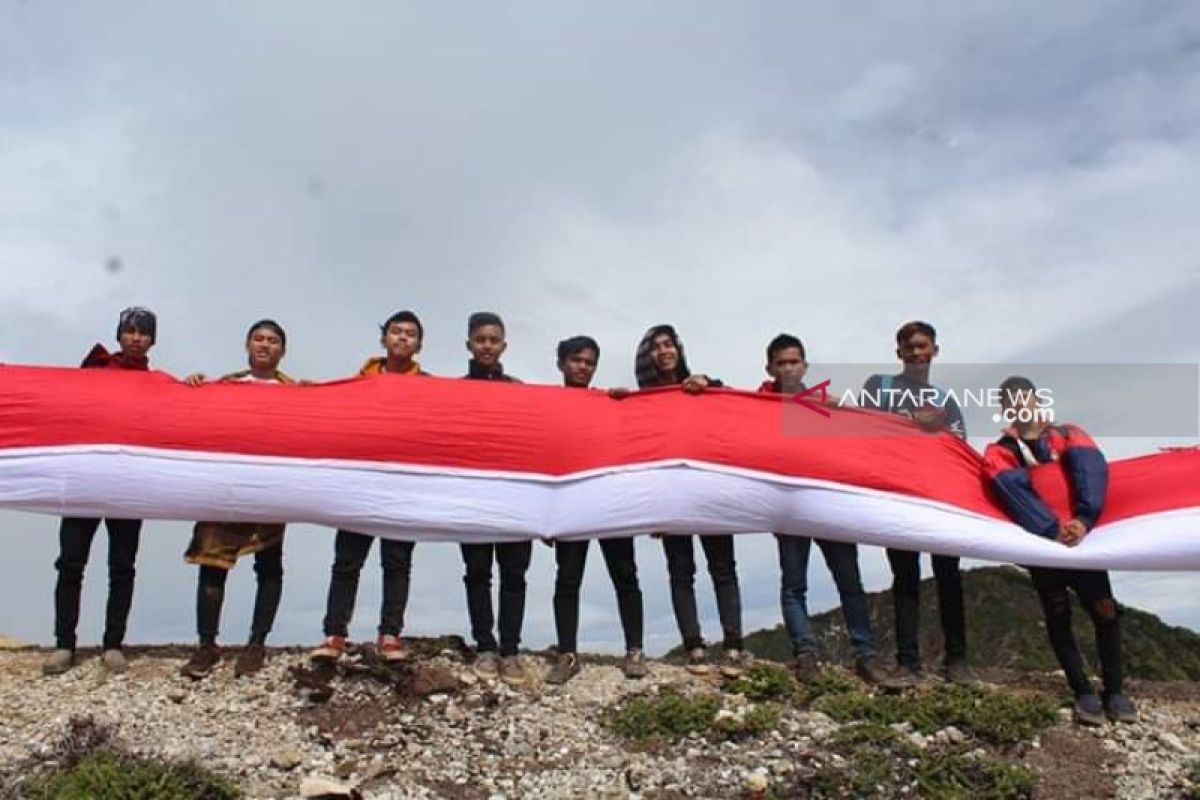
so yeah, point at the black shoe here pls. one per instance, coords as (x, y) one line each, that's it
(1088, 710)
(907, 675)
(1120, 708)
(959, 673)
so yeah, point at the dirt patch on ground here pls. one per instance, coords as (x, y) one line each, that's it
(1073, 764)
(348, 719)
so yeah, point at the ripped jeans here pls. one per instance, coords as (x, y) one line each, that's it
(1095, 595)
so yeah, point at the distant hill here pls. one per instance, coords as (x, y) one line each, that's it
(1004, 629)
(8, 643)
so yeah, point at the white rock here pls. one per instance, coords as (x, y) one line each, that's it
(317, 786)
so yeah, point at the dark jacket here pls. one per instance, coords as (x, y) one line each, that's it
(643, 365)
(478, 372)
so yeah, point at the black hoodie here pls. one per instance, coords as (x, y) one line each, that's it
(647, 374)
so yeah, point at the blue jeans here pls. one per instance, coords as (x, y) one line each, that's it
(842, 559)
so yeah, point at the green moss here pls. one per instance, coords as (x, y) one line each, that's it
(829, 682)
(104, 774)
(670, 716)
(666, 716)
(997, 717)
(763, 682)
(878, 762)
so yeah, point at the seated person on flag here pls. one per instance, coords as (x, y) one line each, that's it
(577, 360)
(216, 546)
(136, 333)
(787, 365)
(660, 361)
(401, 337)
(1032, 441)
(911, 394)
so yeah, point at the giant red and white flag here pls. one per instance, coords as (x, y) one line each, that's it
(440, 459)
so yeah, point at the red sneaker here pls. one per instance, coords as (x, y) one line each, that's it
(330, 650)
(390, 648)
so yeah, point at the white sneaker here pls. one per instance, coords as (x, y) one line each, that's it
(58, 662)
(114, 661)
(697, 662)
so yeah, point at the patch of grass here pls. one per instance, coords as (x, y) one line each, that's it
(1191, 781)
(948, 775)
(762, 718)
(666, 716)
(754, 720)
(998, 717)
(763, 682)
(878, 762)
(829, 682)
(670, 716)
(118, 777)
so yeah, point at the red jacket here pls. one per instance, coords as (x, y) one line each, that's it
(99, 358)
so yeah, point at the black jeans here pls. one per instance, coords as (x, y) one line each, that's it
(513, 559)
(681, 567)
(210, 596)
(618, 556)
(75, 543)
(906, 601)
(1095, 595)
(350, 551)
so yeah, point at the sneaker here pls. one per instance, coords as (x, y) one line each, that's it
(114, 661)
(1120, 708)
(511, 670)
(487, 665)
(250, 660)
(565, 668)
(330, 650)
(1088, 710)
(634, 665)
(697, 662)
(204, 659)
(734, 663)
(390, 648)
(58, 662)
(867, 669)
(959, 673)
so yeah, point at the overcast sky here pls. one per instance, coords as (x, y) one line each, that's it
(1023, 175)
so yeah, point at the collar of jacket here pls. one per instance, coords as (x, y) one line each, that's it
(477, 371)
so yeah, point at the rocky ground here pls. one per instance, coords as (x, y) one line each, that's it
(434, 730)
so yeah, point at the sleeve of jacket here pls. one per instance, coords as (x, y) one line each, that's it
(97, 357)
(1087, 471)
(1012, 486)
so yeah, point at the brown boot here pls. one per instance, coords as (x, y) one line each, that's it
(806, 668)
(250, 660)
(867, 668)
(204, 659)
(565, 668)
